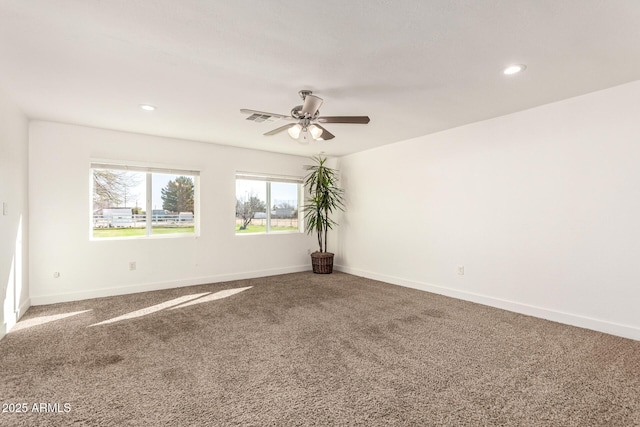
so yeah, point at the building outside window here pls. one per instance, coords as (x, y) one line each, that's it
(132, 201)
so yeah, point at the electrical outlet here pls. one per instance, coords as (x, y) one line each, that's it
(308, 251)
(461, 270)
(132, 265)
(56, 274)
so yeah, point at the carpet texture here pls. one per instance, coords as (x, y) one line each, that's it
(305, 349)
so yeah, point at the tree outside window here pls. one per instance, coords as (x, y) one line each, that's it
(265, 205)
(122, 206)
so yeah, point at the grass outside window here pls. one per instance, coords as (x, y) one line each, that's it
(135, 232)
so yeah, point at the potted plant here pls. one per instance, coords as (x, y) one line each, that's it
(324, 198)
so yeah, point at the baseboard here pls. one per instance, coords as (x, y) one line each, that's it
(23, 308)
(599, 325)
(6, 327)
(146, 287)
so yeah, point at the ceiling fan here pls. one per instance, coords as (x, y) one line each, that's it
(306, 120)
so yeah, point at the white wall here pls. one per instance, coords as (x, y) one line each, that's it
(59, 178)
(14, 278)
(542, 208)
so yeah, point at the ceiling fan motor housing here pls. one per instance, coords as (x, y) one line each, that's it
(296, 113)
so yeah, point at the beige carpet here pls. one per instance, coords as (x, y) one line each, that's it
(304, 349)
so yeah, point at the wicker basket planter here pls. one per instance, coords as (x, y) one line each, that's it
(322, 262)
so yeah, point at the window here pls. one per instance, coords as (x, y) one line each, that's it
(267, 204)
(137, 201)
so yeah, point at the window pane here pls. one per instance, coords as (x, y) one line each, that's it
(119, 198)
(284, 206)
(251, 206)
(173, 204)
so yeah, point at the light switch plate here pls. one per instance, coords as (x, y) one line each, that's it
(5, 208)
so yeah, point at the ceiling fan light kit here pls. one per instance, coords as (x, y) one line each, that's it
(307, 118)
(305, 137)
(315, 131)
(294, 131)
(302, 134)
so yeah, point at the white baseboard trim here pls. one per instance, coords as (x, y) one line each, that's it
(599, 325)
(6, 327)
(146, 287)
(23, 309)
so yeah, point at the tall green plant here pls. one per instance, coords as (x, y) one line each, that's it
(324, 198)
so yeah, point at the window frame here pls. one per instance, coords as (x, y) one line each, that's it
(268, 179)
(148, 171)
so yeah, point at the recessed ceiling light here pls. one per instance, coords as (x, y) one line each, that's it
(514, 69)
(147, 107)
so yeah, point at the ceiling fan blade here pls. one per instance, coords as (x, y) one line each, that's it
(344, 119)
(280, 129)
(311, 104)
(325, 135)
(262, 116)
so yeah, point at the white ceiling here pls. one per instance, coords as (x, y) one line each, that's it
(414, 66)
